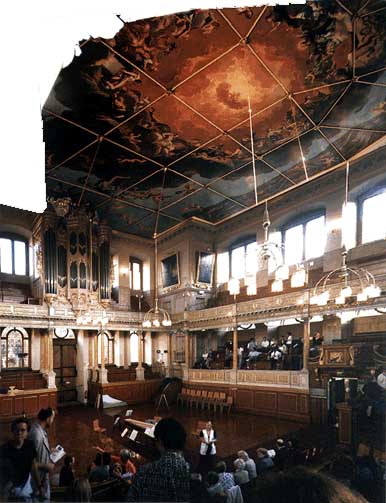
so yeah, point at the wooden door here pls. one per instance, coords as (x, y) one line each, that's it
(65, 368)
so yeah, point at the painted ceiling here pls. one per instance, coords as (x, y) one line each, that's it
(155, 120)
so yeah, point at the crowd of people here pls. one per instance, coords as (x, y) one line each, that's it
(278, 475)
(282, 354)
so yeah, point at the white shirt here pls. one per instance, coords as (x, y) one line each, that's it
(208, 437)
(381, 380)
(264, 344)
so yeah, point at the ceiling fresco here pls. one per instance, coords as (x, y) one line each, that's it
(155, 120)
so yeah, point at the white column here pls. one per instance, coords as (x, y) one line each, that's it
(50, 376)
(82, 365)
(117, 349)
(35, 349)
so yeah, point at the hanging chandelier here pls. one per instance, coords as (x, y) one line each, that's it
(348, 281)
(156, 316)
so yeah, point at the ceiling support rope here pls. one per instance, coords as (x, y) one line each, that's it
(91, 168)
(252, 149)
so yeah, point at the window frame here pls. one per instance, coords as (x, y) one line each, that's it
(360, 200)
(16, 237)
(23, 338)
(302, 220)
(241, 242)
(110, 347)
(135, 260)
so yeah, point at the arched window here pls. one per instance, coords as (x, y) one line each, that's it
(136, 268)
(134, 347)
(304, 238)
(14, 348)
(243, 258)
(13, 255)
(148, 349)
(372, 209)
(108, 341)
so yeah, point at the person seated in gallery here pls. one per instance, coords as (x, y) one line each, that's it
(276, 358)
(381, 379)
(264, 343)
(289, 339)
(252, 346)
(317, 339)
(253, 356)
(228, 358)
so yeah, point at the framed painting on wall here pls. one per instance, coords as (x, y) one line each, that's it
(170, 271)
(205, 268)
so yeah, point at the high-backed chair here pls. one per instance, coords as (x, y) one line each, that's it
(204, 398)
(227, 404)
(196, 400)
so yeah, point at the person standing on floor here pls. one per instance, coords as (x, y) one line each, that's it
(208, 451)
(38, 436)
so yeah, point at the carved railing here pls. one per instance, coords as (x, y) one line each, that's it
(291, 379)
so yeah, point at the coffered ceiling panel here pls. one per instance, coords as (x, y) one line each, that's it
(156, 119)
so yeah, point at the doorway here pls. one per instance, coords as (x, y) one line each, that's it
(65, 369)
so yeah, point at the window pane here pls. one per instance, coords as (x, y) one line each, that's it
(251, 263)
(275, 237)
(20, 258)
(238, 262)
(6, 255)
(294, 245)
(134, 347)
(373, 222)
(349, 225)
(136, 268)
(315, 238)
(222, 267)
(15, 348)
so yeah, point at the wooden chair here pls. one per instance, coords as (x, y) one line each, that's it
(185, 395)
(196, 400)
(193, 394)
(227, 404)
(209, 399)
(204, 398)
(221, 399)
(181, 396)
(214, 401)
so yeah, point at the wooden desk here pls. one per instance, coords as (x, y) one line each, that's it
(27, 402)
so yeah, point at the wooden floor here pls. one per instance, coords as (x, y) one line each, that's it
(73, 429)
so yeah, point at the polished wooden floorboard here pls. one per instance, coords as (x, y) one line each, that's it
(73, 429)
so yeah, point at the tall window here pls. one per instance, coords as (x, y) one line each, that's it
(136, 274)
(14, 349)
(13, 256)
(304, 240)
(134, 347)
(373, 221)
(108, 341)
(222, 268)
(244, 259)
